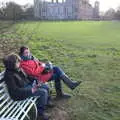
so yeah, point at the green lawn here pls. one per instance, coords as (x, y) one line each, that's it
(88, 51)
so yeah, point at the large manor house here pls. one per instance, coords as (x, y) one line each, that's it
(66, 10)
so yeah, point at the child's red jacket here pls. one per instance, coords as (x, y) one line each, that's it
(35, 68)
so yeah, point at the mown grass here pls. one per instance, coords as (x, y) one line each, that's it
(88, 51)
(9, 40)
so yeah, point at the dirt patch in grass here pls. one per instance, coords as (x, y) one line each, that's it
(59, 111)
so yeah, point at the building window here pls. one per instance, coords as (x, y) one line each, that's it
(76, 9)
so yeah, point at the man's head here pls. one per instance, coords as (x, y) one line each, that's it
(24, 51)
(11, 61)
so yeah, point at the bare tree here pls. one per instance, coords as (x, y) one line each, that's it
(117, 14)
(2, 8)
(28, 12)
(12, 11)
(109, 14)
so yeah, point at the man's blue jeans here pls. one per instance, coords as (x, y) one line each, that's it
(42, 93)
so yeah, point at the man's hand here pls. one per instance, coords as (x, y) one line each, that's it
(34, 89)
(35, 86)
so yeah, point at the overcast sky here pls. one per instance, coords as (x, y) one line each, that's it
(104, 4)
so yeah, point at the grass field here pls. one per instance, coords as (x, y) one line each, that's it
(88, 51)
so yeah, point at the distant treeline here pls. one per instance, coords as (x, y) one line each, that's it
(111, 14)
(13, 11)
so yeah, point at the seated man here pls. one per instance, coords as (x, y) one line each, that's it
(45, 72)
(20, 86)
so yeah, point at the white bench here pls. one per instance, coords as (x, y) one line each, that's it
(15, 110)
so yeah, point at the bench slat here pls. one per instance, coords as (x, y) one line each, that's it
(33, 100)
(8, 119)
(2, 90)
(3, 110)
(27, 111)
(2, 97)
(22, 107)
(23, 110)
(18, 105)
(17, 111)
(10, 109)
(3, 103)
(2, 84)
(33, 103)
(2, 74)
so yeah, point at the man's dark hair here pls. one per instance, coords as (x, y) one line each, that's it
(22, 49)
(10, 61)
